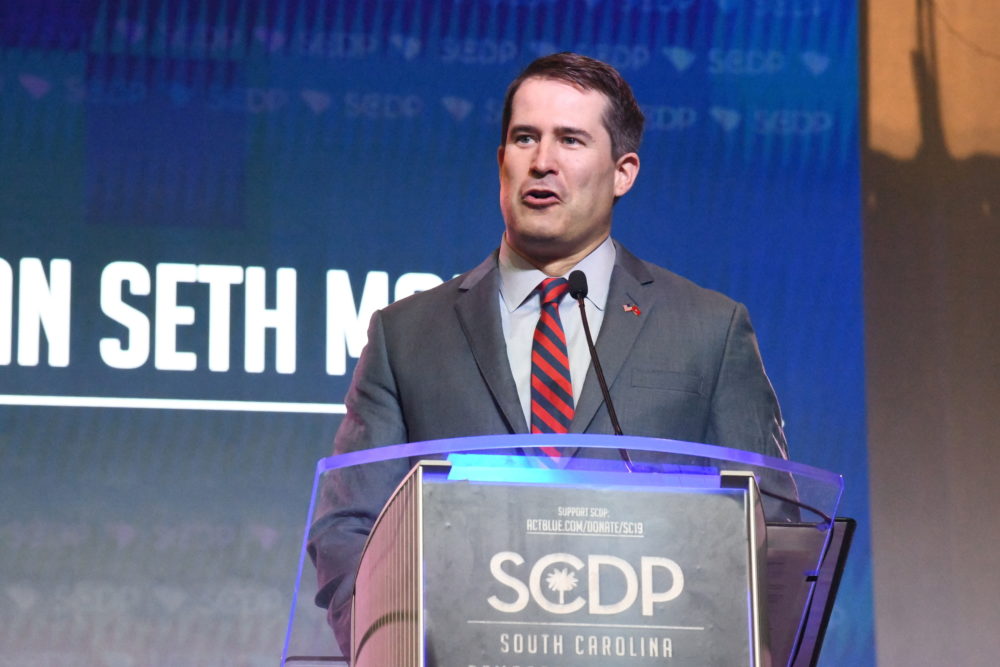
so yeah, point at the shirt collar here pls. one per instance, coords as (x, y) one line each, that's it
(518, 278)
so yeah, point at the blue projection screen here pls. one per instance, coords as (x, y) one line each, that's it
(203, 201)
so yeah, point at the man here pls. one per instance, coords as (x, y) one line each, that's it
(462, 359)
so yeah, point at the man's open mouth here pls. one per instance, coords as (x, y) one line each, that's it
(540, 197)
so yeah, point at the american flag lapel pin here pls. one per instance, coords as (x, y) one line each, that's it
(630, 308)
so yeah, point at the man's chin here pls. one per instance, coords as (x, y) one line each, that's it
(540, 248)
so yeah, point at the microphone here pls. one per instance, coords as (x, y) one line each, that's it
(578, 285)
(578, 290)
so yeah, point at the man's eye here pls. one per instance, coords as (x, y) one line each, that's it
(572, 141)
(522, 139)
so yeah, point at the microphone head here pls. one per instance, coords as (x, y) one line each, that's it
(578, 284)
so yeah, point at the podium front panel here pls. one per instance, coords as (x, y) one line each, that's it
(564, 574)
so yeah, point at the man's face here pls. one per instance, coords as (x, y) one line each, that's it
(558, 180)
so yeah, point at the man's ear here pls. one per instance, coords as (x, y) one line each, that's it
(626, 171)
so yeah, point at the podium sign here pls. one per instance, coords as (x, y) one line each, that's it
(563, 568)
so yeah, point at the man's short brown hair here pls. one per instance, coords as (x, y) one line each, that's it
(622, 117)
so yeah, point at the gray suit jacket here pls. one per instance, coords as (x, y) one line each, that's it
(686, 368)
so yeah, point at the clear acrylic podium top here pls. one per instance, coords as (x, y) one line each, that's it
(794, 496)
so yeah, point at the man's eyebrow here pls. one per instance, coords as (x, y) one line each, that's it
(561, 131)
(564, 131)
(519, 129)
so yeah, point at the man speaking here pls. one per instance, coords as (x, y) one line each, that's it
(501, 348)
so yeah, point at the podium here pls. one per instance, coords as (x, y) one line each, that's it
(690, 554)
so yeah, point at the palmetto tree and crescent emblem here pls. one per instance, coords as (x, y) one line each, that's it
(561, 581)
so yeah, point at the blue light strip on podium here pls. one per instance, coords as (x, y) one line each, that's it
(606, 474)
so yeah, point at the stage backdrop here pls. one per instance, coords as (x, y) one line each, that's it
(203, 201)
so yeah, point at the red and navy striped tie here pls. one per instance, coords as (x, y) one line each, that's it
(551, 388)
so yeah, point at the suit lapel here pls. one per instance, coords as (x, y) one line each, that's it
(479, 315)
(618, 334)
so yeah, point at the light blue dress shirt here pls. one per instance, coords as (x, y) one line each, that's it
(520, 307)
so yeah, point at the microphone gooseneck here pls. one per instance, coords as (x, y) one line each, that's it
(578, 290)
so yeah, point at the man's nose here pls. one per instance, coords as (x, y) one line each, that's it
(544, 159)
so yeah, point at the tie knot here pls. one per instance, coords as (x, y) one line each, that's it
(552, 290)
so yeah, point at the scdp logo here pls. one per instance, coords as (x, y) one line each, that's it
(561, 574)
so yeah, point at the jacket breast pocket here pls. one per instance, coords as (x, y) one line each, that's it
(667, 381)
